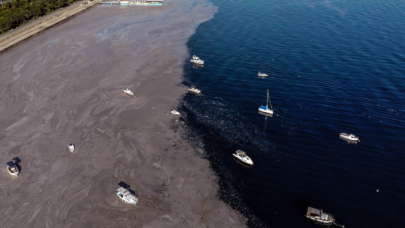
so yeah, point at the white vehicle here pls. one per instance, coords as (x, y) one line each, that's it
(242, 157)
(197, 60)
(174, 112)
(72, 147)
(128, 92)
(194, 89)
(126, 196)
(262, 74)
(350, 137)
(12, 168)
(265, 109)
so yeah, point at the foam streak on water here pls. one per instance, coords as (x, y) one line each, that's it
(334, 66)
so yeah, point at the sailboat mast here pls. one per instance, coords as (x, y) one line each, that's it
(268, 100)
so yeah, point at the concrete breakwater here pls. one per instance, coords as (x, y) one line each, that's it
(20, 34)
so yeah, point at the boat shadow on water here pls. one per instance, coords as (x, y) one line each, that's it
(197, 65)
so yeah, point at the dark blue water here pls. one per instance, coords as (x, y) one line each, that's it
(334, 66)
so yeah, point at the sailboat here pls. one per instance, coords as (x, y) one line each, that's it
(265, 109)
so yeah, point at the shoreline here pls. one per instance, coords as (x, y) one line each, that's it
(33, 28)
(68, 89)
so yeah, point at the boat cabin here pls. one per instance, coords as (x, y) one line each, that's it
(241, 153)
(12, 168)
(314, 212)
(319, 216)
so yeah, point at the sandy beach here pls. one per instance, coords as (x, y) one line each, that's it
(65, 86)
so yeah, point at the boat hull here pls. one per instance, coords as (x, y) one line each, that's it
(320, 222)
(129, 94)
(268, 111)
(347, 137)
(197, 62)
(174, 112)
(350, 139)
(242, 161)
(13, 173)
(198, 92)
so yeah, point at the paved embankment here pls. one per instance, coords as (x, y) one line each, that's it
(12, 38)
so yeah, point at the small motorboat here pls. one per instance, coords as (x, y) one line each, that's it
(194, 89)
(174, 112)
(72, 147)
(265, 109)
(242, 157)
(321, 218)
(12, 168)
(197, 60)
(127, 196)
(350, 137)
(128, 92)
(262, 74)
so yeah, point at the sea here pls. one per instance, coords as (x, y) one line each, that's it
(334, 66)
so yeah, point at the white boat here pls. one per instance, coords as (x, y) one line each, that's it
(194, 89)
(127, 196)
(265, 109)
(124, 3)
(174, 112)
(262, 74)
(128, 92)
(72, 147)
(350, 137)
(242, 157)
(319, 217)
(12, 168)
(197, 60)
(147, 2)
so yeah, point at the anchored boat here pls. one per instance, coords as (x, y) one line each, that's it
(350, 137)
(128, 92)
(12, 168)
(242, 157)
(262, 74)
(197, 60)
(174, 112)
(72, 147)
(320, 217)
(127, 196)
(194, 89)
(265, 109)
